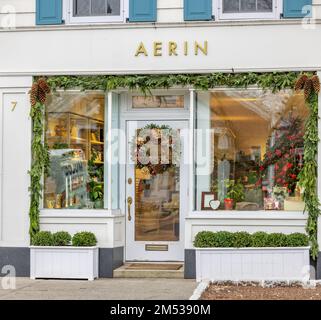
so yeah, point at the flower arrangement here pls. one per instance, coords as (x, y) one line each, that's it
(285, 153)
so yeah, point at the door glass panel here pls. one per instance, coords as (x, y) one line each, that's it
(157, 190)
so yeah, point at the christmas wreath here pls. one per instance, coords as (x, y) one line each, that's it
(156, 149)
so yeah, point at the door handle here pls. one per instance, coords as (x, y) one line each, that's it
(129, 203)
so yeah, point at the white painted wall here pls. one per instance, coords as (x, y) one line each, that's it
(168, 11)
(15, 160)
(111, 50)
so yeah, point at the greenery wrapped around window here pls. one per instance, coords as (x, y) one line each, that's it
(272, 81)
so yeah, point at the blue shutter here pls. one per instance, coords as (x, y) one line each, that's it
(49, 12)
(142, 10)
(197, 10)
(293, 8)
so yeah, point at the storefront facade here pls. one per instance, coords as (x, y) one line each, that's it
(221, 139)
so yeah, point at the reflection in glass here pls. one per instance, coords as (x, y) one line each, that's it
(252, 145)
(247, 6)
(75, 137)
(157, 190)
(163, 101)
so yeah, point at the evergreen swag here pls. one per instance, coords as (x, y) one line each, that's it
(273, 81)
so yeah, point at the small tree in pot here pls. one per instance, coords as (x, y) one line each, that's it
(235, 193)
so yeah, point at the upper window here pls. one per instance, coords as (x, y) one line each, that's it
(248, 9)
(95, 11)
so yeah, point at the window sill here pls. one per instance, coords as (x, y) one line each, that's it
(246, 215)
(81, 213)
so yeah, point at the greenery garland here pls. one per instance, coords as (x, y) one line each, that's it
(40, 154)
(273, 81)
(309, 173)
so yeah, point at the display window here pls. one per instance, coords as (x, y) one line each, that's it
(75, 135)
(249, 148)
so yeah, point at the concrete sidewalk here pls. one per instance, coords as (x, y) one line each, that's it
(102, 289)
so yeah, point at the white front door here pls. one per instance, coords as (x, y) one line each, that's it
(156, 195)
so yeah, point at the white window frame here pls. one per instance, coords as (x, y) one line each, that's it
(70, 19)
(274, 15)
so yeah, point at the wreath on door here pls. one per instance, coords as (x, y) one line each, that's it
(156, 149)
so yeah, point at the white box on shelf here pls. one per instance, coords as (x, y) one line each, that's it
(253, 264)
(64, 262)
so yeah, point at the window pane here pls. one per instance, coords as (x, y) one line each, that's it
(86, 8)
(98, 7)
(165, 101)
(230, 6)
(265, 5)
(82, 8)
(75, 136)
(113, 7)
(249, 149)
(248, 5)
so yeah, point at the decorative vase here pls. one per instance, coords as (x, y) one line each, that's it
(229, 203)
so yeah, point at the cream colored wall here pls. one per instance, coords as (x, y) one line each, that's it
(168, 11)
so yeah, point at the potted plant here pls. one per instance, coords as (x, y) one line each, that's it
(240, 256)
(235, 193)
(60, 256)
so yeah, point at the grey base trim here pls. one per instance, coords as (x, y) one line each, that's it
(190, 264)
(109, 260)
(318, 267)
(17, 257)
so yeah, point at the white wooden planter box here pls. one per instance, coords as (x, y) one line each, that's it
(64, 262)
(252, 264)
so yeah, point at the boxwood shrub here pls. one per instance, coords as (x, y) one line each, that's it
(84, 239)
(61, 239)
(224, 239)
(43, 239)
(242, 239)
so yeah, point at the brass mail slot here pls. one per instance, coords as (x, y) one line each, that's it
(156, 247)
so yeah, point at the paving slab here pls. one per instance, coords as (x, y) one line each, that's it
(101, 289)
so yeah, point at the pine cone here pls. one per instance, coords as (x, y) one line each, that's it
(299, 85)
(44, 85)
(308, 88)
(316, 83)
(34, 94)
(42, 96)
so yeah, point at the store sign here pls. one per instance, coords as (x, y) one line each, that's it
(172, 48)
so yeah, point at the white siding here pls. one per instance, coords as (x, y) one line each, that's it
(168, 11)
(24, 12)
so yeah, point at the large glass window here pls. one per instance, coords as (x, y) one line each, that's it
(75, 134)
(249, 150)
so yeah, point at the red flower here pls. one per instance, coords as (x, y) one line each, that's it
(289, 165)
(262, 168)
(278, 152)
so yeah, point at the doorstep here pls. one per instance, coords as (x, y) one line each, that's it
(150, 270)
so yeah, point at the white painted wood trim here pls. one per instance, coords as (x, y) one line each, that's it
(274, 15)
(253, 264)
(191, 150)
(70, 19)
